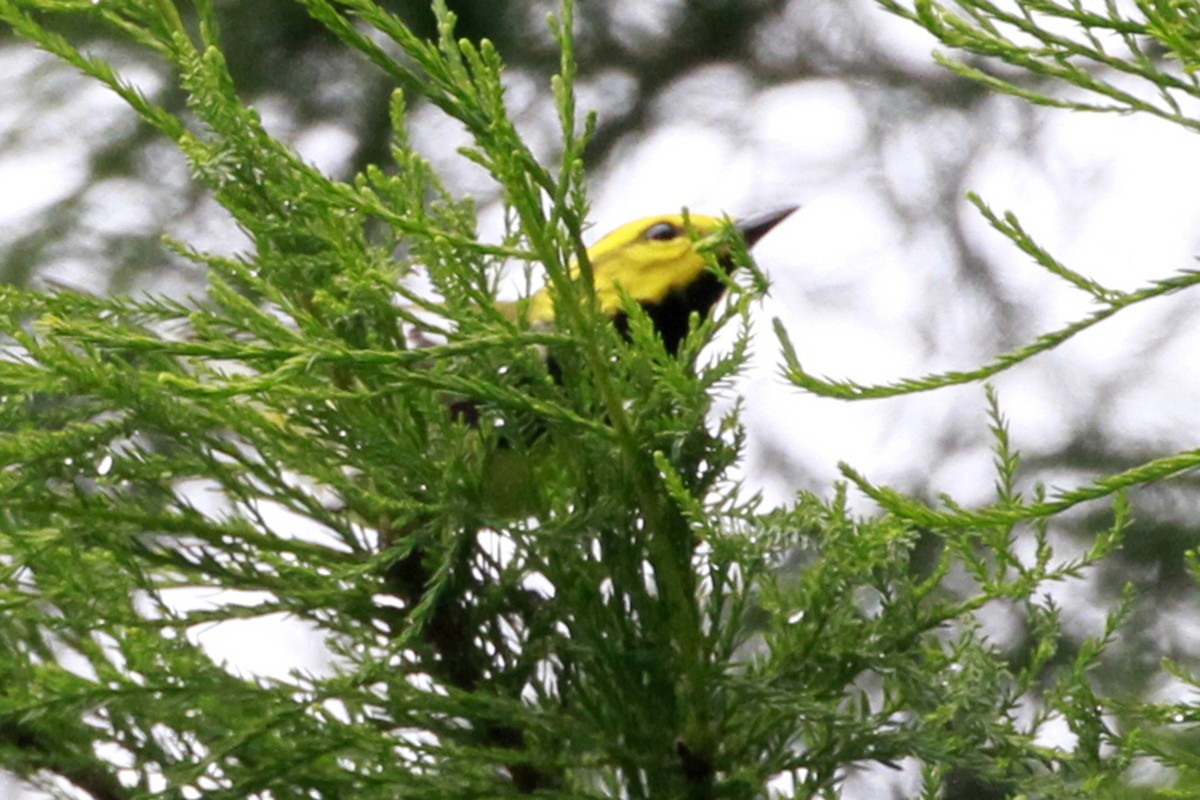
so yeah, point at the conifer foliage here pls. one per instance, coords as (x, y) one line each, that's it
(566, 594)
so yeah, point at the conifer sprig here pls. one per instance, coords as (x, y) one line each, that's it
(281, 449)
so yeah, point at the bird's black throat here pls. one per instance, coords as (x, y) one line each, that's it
(671, 314)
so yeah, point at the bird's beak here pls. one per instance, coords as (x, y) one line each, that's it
(756, 227)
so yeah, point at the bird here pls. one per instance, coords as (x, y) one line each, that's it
(658, 262)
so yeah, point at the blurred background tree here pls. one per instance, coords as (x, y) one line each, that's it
(888, 271)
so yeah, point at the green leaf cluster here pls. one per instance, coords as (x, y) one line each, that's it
(526, 579)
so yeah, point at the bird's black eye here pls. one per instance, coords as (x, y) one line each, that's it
(661, 232)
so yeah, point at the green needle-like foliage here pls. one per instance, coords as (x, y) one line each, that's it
(567, 593)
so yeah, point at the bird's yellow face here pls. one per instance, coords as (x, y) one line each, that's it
(648, 259)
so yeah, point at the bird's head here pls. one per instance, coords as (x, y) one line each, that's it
(656, 261)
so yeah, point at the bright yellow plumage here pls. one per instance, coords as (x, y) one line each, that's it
(648, 268)
(657, 263)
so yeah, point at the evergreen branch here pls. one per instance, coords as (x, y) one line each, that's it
(644, 631)
(1011, 228)
(795, 373)
(40, 750)
(1007, 513)
(985, 31)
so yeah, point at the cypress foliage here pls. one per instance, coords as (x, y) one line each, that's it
(571, 596)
